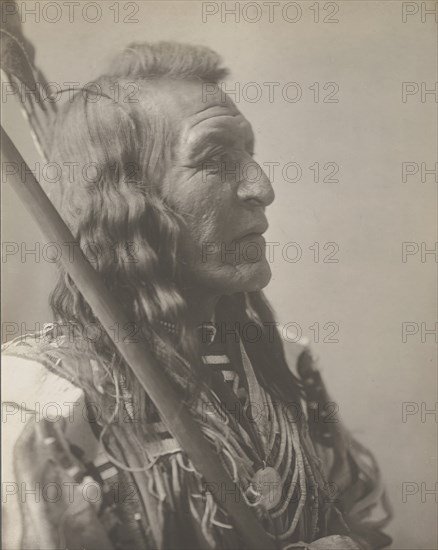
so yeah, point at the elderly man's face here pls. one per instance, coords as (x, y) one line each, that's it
(220, 191)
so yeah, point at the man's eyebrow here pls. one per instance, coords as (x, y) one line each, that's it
(209, 140)
(220, 135)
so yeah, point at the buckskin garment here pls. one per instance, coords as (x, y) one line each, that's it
(68, 483)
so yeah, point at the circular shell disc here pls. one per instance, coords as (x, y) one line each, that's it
(266, 483)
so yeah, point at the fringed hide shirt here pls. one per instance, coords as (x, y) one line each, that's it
(68, 486)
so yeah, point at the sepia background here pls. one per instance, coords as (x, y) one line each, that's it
(351, 310)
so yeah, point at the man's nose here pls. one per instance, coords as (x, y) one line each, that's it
(255, 185)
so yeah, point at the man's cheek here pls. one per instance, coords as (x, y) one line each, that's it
(209, 252)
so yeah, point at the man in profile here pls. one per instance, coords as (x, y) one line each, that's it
(169, 182)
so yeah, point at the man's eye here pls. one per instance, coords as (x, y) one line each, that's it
(219, 157)
(211, 166)
(214, 163)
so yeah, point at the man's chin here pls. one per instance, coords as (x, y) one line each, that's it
(228, 280)
(257, 277)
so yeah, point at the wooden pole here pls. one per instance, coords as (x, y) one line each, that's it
(106, 308)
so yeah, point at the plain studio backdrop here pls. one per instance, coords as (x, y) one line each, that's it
(354, 310)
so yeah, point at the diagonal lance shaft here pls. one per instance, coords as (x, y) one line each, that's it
(107, 310)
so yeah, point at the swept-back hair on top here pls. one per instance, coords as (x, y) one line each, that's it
(114, 206)
(169, 59)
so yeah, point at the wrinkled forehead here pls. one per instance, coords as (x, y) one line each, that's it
(200, 112)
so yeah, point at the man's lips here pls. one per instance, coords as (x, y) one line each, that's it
(253, 232)
(250, 237)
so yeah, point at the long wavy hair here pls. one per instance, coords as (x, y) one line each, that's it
(117, 149)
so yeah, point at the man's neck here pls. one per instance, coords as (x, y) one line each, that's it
(201, 306)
